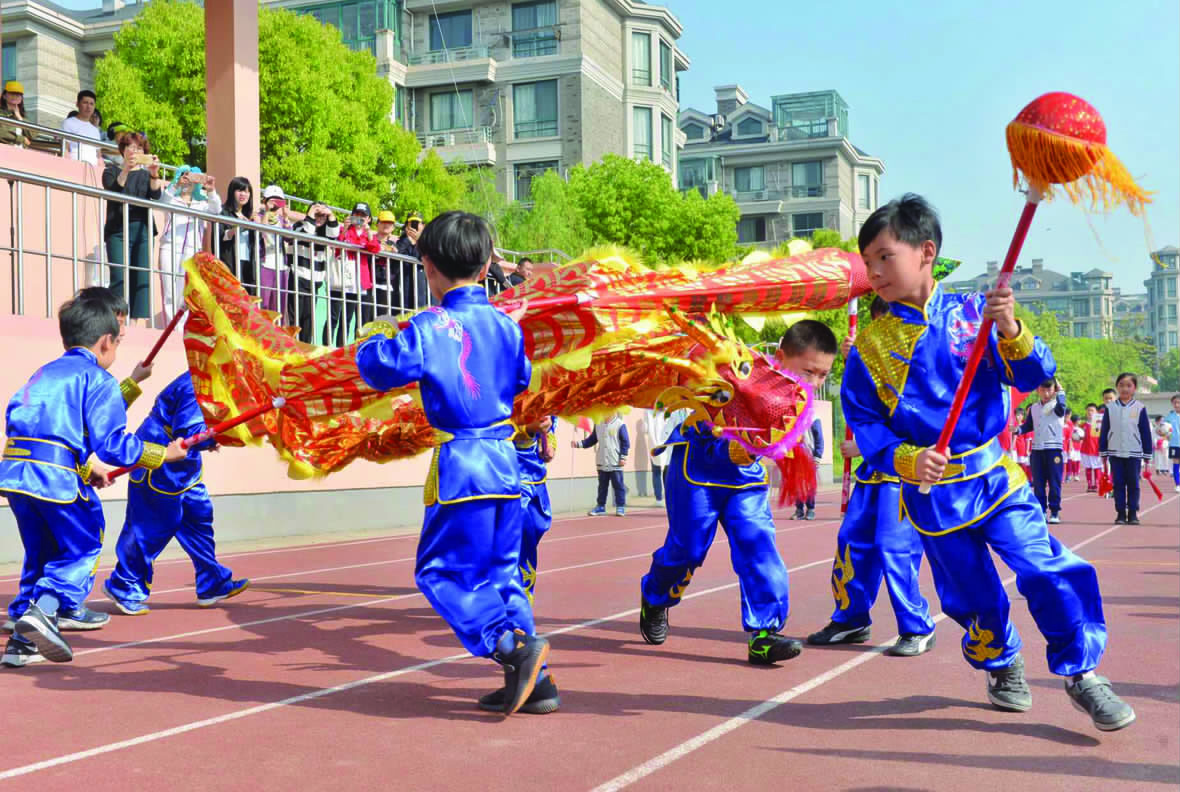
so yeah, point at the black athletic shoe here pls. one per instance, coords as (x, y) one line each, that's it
(768, 648)
(1094, 695)
(521, 667)
(1120, 518)
(18, 653)
(911, 645)
(1132, 518)
(82, 618)
(42, 630)
(1007, 689)
(545, 699)
(653, 623)
(799, 514)
(837, 633)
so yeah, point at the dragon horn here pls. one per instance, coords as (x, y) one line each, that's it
(694, 331)
(695, 370)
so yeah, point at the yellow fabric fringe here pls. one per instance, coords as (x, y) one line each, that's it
(1085, 170)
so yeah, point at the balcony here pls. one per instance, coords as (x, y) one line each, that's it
(446, 67)
(758, 201)
(469, 146)
(808, 191)
(534, 43)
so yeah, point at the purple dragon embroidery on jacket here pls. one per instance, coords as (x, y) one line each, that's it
(454, 328)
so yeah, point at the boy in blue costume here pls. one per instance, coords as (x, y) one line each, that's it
(166, 503)
(469, 361)
(979, 499)
(712, 480)
(874, 543)
(70, 409)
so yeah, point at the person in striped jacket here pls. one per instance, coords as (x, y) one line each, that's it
(1125, 442)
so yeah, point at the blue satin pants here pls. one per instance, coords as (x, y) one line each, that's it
(536, 517)
(62, 544)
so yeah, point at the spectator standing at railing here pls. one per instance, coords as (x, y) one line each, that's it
(496, 272)
(387, 272)
(524, 271)
(275, 249)
(82, 124)
(310, 272)
(184, 235)
(415, 292)
(12, 105)
(138, 177)
(239, 250)
(346, 275)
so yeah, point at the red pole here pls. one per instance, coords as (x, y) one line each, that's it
(985, 329)
(846, 486)
(164, 337)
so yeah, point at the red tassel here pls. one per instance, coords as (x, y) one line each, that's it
(798, 474)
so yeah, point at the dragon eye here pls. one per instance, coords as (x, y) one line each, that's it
(722, 396)
(745, 368)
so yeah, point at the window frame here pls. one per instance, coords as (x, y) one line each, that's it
(457, 96)
(539, 167)
(667, 141)
(432, 26)
(538, 37)
(795, 231)
(538, 131)
(759, 221)
(749, 170)
(646, 69)
(807, 189)
(650, 155)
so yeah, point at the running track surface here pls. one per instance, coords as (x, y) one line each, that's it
(333, 671)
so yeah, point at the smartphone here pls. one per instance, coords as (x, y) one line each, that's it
(143, 159)
(279, 203)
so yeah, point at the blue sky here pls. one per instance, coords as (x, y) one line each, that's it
(933, 83)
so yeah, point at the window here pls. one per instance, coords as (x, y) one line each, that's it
(9, 57)
(451, 110)
(1172, 311)
(450, 31)
(526, 172)
(358, 22)
(666, 143)
(807, 223)
(534, 29)
(535, 109)
(1081, 307)
(749, 127)
(751, 229)
(694, 131)
(1172, 288)
(640, 59)
(695, 173)
(1172, 341)
(667, 71)
(749, 179)
(862, 187)
(807, 179)
(875, 185)
(641, 134)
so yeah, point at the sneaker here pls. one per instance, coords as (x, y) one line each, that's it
(18, 653)
(653, 623)
(798, 515)
(42, 630)
(545, 699)
(9, 626)
(1132, 518)
(1094, 695)
(810, 515)
(597, 511)
(1120, 518)
(126, 607)
(767, 648)
(837, 633)
(911, 645)
(620, 512)
(236, 587)
(81, 618)
(1178, 487)
(1007, 689)
(1054, 518)
(521, 667)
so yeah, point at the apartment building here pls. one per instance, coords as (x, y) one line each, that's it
(1163, 299)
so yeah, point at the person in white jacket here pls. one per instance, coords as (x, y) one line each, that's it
(183, 235)
(655, 425)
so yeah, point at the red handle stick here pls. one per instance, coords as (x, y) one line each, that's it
(1158, 493)
(985, 329)
(147, 361)
(846, 486)
(213, 431)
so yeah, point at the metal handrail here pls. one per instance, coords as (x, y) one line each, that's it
(516, 255)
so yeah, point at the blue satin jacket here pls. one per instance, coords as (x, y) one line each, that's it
(69, 409)
(897, 391)
(175, 413)
(704, 460)
(533, 469)
(469, 361)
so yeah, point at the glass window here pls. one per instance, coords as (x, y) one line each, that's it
(534, 27)
(666, 66)
(667, 144)
(640, 59)
(641, 122)
(526, 172)
(1172, 340)
(694, 131)
(1172, 311)
(807, 179)
(9, 57)
(875, 185)
(534, 107)
(806, 224)
(862, 187)
(450, 31)
(751, 229)
(749, 126)
(451, 110)
(693, 173)
(1172, 287)
(749, 179)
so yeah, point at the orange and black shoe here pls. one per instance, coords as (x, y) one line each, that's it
(544, 699)
(521, 667)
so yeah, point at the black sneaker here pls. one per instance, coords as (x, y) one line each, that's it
(837, 633)
(911, 645)
(1095, 696)
(1006, 688)
(42, 630)
(82, 618)
(798, 515)
(653, 623)
(1120, 518)
(544, 699)
(521, 667)
(810, 515)
(18, 653)
(9, 626)
(1132, 518)
(768, 648)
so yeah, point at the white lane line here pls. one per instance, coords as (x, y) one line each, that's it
(322, 692)
(682, 750)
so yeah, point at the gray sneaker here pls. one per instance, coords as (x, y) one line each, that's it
(911, 645)
(1095, 696)
(1006, 688)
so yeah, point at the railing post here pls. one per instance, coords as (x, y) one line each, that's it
(127, 255)
(20, 248)
(151, 249)
(48, 256)
(74, 242)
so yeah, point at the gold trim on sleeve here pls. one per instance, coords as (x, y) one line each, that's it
(905, 459)
(1017, 348)
(152, 457)
(130, 390)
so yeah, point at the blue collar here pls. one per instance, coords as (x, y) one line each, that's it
(82, 352)
(915, 314)
(465, 294)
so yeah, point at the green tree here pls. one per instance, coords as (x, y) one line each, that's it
(1169, 368)
(553, 220)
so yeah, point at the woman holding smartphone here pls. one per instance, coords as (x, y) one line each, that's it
(239, 250)
(139, 177)
(184, 234)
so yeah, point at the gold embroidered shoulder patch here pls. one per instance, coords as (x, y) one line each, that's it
(886, 347)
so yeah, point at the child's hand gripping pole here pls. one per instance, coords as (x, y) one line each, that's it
(985, 329)
(846, 486)
(276, 404)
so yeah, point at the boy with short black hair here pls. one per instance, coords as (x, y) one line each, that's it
(470, 363)
(611, 444)
(70, 409)
(1046, 423)
(897, 391)
(809, 347)
(1091, 453)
